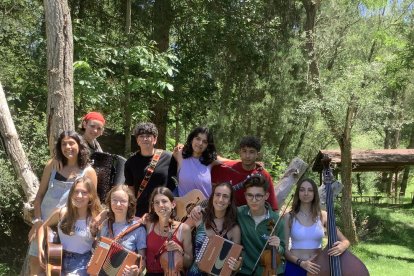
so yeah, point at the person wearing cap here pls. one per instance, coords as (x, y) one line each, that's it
(92, 127)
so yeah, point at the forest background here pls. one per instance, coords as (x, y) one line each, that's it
(301, 75)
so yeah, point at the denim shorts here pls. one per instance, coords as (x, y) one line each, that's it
(75, 263)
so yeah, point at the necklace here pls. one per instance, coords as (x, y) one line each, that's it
(215, 229)
(163, 232)
(303, 214)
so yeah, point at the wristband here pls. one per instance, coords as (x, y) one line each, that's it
(36, 220)
(299, 261)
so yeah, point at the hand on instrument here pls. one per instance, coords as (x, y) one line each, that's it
(338, 248)
(173, 246)
(131, 270)
(311, 267)
(274, 241)
(234, 264)
(41, 257)
(196, 214)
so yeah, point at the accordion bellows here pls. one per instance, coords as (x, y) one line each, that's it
(214, 254)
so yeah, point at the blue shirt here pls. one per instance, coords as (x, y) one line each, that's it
(133, 241)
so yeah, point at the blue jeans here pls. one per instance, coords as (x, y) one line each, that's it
(75, 263)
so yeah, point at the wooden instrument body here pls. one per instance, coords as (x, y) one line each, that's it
(214, 254)
(185, 204)
(353, 267)
(172, 262)
(346, 263)
(270, 260)
(110, 258)
(53, 253)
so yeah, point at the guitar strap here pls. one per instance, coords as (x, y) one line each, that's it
(149, 171)
(126, 231)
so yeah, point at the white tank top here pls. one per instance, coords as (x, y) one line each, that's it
(306, 237)
(81, 240)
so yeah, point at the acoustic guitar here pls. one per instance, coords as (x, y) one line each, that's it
(186, 203)
(53, 253)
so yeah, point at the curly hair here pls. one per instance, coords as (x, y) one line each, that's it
(152, 216)
(250, 142)
(315, 205)
(145, 128)
(94, 205)
(83, 155)
(132, 202)
(210, 154)
(230, 218)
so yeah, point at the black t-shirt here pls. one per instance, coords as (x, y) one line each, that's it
(135, 169)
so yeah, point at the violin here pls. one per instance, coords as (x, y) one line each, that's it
(346, 264)
(270, 258)
(172, 262)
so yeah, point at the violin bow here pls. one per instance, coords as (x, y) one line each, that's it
(271, 233)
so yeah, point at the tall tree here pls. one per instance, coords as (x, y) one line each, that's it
(60, 101)
(162, 17)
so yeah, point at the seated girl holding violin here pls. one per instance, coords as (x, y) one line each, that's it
(219, 218)
(121, 213)
(73, 224)
(169, 247)
(304, 225)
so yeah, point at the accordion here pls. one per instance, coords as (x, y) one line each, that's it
(110, 258)
(109, 170)
(214, 254)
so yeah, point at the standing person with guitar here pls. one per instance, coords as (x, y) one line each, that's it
(149, 167)
(195, 160)
(254, 220)
(169, 247)
(54, 187)
(73, 224)
(236, 172)
(219, 218)
(304, 226)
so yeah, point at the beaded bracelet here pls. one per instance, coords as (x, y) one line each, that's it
(299, 261)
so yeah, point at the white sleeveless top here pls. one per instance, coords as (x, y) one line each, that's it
(81, 240)
(306, 237)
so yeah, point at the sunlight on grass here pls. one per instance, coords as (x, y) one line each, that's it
(385, 259)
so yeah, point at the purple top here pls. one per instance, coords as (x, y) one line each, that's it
(194, 175)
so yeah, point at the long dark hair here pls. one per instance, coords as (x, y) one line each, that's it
(153, 217)
(83, 155)
(315, 205)
(210, 154)
(94, 206)
(230, 218)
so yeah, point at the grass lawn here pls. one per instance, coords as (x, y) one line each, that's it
(386, 238)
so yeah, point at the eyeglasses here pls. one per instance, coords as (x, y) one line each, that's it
(257, 197)
(120, 201)
(145, 136)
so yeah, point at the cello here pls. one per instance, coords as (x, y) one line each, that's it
(172, 262)
(346, 264)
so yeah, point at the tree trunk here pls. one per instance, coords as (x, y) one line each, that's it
(302, 135)
(342, 136)
(162, 20)
(60, 109)
(407, 169)
(127, 92)
(17, 156)
(287, 137)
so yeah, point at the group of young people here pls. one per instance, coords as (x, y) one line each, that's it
(241, 206)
